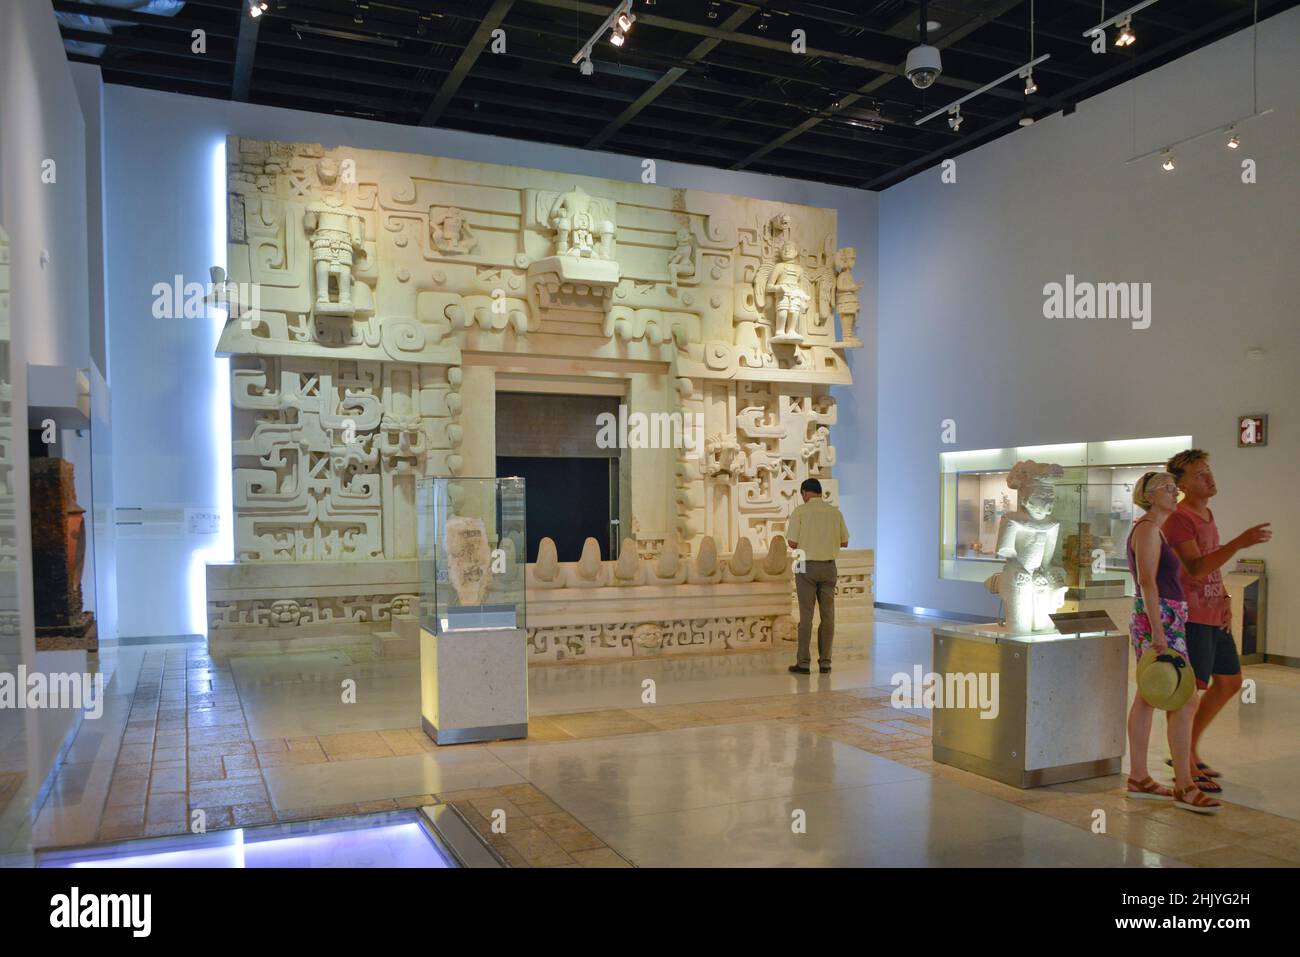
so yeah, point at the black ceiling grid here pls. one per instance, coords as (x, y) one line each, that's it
(712, 82)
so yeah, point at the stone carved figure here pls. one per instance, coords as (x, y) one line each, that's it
(1031, 587)
(787, 282)
(682, 260)
(285, 611)
(846, 294)
(723, 455)
(578, 232)
(450, 231)
(337, 235)
(468, 558)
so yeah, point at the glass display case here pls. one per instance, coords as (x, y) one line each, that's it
(1094, 504)
(471, 539)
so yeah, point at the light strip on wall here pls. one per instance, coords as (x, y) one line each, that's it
(218, 417)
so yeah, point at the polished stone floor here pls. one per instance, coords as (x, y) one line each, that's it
(735, 763)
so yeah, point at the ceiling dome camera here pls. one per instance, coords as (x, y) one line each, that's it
(923, 66)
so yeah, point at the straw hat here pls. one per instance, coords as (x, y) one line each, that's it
(1165, 679)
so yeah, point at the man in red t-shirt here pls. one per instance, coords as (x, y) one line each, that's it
(1210, 646)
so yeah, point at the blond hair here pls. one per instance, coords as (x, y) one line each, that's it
(1141, 488)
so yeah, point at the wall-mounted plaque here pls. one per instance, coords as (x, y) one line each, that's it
(1252, 430)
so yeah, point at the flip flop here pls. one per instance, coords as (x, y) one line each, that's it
(1206, 785)
(1201, 766)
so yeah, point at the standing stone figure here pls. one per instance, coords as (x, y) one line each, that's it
(846, 294)
(787, 284)
(337, 234)
(1031, 586)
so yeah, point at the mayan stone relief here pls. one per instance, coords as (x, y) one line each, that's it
(391, 289)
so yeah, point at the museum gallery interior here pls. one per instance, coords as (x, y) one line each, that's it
(432, 434)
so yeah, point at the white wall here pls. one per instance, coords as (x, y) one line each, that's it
(162, 219)
(962, 333)
(40, 119)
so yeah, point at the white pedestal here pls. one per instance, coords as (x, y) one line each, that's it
(474, 685)
(1061, 705)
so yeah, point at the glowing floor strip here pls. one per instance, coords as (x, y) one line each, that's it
(391, 845)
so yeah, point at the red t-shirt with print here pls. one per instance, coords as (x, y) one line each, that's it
(1206, 598)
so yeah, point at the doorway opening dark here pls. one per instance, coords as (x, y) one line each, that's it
(568, 501)
(550, 439)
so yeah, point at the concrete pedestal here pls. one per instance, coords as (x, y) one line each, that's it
(474, 685)
(1062, 705)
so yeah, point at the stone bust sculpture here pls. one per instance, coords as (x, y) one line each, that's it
(1031, 586)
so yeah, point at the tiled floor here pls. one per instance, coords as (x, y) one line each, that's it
(736, 763)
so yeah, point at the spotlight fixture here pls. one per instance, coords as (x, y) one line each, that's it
(1234, 140)
(713, 9)
(1126, 37)
(587, 68)
(1167, 163)
(617, 23)
(1019, 71)
(954, 118)
(256, 8)
(1123, 20)
(1030, 85)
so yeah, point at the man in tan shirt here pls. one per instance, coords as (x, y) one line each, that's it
(816, 528)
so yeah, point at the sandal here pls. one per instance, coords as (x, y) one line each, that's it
(1201, 766)
(1192, 799)
(1148, 790)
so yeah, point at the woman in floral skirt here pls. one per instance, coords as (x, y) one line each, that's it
(1155, 565)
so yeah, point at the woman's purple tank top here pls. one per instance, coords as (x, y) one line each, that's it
(1167, 583)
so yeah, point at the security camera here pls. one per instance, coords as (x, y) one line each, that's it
(923, 66)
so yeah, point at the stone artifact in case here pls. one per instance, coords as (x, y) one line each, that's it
(471, 539)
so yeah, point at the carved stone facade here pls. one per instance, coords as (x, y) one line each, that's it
(392, 289)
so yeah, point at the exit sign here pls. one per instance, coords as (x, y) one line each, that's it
(1252, 430)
